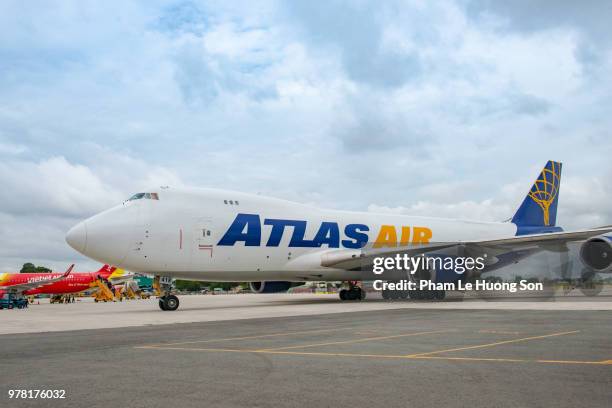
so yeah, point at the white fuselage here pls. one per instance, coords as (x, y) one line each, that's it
(180, 234)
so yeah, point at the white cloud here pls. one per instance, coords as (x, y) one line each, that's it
(42, 200)
(53, 186)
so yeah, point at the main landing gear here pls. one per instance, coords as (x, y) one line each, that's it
(589, 286)
(354, 292)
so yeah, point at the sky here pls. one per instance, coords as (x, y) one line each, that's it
(445, 108)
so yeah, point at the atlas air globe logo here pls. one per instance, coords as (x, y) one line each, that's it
(545, 189)
(247, 229)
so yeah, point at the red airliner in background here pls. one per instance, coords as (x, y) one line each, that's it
(51, 283)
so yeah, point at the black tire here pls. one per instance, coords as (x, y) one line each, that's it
(162, 303)
(356, 293)
(343, 294)
(171, 303)
(417, 294)
(362, 294)
(591, 288)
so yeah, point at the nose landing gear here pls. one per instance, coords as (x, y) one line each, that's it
(163, 285)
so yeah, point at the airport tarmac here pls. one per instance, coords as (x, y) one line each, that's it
(85, 314)
(396, 357)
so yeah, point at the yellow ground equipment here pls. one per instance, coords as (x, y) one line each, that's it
(156, 286)
(104, 292)
(131, 289)
(118, 293)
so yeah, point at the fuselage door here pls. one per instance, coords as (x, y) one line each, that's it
(203, 241)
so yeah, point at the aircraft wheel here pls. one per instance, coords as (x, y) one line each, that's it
(343, 294)
(416, 294)
(591, 288)
(171, 302)
(354, 293)
(162, 303)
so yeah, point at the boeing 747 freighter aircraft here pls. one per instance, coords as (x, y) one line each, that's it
(217, 235)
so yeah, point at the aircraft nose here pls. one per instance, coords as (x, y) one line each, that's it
(77, 237)
(108, 236)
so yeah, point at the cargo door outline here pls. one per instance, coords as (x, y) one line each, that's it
(203, 242)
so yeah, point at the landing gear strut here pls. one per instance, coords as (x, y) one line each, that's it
(354, 292)
(167, 301)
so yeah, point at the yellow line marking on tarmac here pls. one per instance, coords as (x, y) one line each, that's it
(297, 353)
(251, 337)
(385, 356)
(605, 362)
(501, 360)
(493, 344)
(498, 332)
(363, 340)
(511, 360)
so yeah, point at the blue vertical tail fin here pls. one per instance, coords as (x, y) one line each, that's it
(538, 212)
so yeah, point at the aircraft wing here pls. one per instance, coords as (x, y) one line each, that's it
(120, 276)
(353, 259)
(543, 240)
(22, 287)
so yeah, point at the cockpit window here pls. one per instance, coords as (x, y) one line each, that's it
(146, 196)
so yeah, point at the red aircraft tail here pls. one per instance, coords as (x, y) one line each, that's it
(68, 271)
(106, 271)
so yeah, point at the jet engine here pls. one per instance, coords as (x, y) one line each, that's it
(596, 253)
(270, 287)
